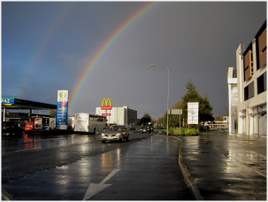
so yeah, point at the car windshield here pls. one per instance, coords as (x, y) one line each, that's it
(115, 128)
(121, 129)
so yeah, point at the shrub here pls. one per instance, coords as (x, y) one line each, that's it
(184, 131)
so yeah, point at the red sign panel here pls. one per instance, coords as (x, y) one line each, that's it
(106, 107)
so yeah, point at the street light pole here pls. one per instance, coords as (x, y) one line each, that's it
(168, 78)
(168, 75)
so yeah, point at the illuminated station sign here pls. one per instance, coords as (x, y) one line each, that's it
(8, 100)
(62, 109)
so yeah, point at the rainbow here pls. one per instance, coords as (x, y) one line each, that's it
(104, 46)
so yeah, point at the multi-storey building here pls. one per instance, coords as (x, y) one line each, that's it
(233, 100)
(123, 116)
(247, 88)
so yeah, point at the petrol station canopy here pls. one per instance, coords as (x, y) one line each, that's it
(16, 103)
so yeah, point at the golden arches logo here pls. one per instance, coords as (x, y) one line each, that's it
(106, 103)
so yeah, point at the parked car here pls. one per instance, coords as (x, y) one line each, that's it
(143, 130)
(146, 129)
(149, 129)
(132, 128)
(12, 128)
(115, 133)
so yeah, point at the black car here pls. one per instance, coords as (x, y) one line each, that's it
(12, 128)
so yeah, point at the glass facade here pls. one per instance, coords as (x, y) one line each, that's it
(261, 83)
(249, 91)
(248, 64)
(261, 47)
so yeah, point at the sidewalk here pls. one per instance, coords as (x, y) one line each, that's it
(223, 167)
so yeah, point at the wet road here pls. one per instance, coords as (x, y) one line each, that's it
(77, 167)
(227, 167)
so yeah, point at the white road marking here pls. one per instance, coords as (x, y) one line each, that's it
(260, 173)
(258, 154)
(94, 188)
(22, 150)
(111, 174)
(176, 138)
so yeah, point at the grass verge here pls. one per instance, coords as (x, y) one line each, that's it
(182, 131)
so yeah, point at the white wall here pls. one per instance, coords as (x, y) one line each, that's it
(119, 115)
(249, 120)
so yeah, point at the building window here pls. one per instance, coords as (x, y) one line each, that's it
(261, 47)
(248, 63)
(261, 83)
(249, 91)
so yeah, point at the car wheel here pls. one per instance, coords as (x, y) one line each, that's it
(103, 141)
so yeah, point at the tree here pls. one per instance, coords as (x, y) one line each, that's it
(173, 120)
(145, 119)
(219, 118)
(192, 95)
(160, 123)
(205, 110)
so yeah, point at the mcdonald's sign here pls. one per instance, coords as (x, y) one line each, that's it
(106, 104)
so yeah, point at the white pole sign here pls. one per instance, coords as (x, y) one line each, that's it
(192, 108)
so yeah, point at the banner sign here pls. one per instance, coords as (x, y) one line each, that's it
(8, 100)
(192, 108)
(62, 109)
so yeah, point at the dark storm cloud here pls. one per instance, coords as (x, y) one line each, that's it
(196, 40)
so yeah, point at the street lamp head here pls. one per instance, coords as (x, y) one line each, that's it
(154, 66)
(151, 66)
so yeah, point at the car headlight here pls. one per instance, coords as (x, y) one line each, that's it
(118, 134)
(102, 135)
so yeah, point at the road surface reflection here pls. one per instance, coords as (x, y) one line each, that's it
(39, 142)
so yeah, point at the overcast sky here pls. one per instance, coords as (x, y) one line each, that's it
(46, 45)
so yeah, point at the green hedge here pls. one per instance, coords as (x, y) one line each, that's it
(183, 131)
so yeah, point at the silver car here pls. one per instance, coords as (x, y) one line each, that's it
(116, 133)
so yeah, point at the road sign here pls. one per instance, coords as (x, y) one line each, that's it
(175, 111)
(192, 108)
(62, 109)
